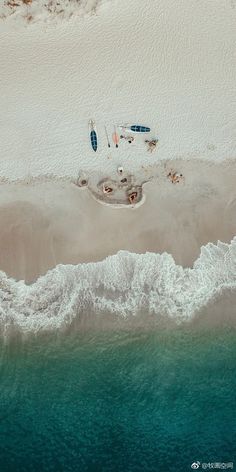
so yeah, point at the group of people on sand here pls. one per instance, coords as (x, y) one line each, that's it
(108, 187)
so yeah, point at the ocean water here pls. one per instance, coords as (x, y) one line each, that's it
(123, 365)
(135, 400)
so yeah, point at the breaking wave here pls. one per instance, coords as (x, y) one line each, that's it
(122, 286)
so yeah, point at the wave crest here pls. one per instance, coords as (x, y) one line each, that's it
(121, 285)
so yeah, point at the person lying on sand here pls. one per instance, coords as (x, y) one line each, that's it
(130, 139)
(133, 197)
(151, 144)
(174, 177)
(106, 189)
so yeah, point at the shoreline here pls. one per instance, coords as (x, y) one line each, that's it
(95, 266)
(55, 306)
(45, 223)
(151, 243)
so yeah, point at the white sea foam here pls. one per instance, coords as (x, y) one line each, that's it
(121, 285)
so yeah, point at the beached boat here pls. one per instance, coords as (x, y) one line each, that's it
(93, 135)
(136, 128)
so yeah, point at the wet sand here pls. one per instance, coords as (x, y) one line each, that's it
(47, 223)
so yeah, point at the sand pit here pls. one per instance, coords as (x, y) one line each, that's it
(48, 223)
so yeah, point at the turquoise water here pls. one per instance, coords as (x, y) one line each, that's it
(118, 401)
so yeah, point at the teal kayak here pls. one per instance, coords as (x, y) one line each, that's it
(137, 128)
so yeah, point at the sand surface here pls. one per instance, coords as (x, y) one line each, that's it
(167, 65)
(45, 224)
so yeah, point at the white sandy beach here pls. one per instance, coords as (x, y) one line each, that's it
(152, 63)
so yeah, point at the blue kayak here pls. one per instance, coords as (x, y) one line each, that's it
(140, 129)
(93, 139)
(93, 135)
(136, 128)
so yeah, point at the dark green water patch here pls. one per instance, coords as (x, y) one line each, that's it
(118, 401)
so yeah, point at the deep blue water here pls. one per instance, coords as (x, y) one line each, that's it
(122, 401)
